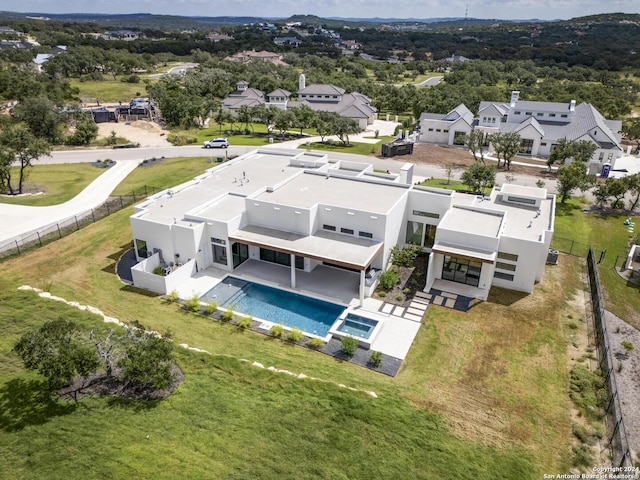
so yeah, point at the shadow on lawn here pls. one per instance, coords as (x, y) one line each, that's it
(27, 402)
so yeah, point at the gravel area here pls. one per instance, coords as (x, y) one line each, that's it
(628, 378)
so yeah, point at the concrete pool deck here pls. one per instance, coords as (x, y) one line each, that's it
(396, 333)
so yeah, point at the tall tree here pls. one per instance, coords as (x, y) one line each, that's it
(479, 176)
(57, 351)
(507, 145)
(345, 127)
(19, 145)
(475, 142)
(42, 117)
(572, 177)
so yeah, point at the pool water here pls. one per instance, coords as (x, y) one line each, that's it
(275, 305)
(357, 326)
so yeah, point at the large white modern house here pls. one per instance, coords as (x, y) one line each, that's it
(539, 124)
(310, 213)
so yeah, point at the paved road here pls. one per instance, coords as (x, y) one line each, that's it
(17, 220)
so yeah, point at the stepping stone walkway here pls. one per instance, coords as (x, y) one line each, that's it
(415, 311)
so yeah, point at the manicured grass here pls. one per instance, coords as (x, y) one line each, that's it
(353, 147)
(226, 415)
(109, 90)
(481, 395)
(164, 173)
(577, 230)
(58, 182)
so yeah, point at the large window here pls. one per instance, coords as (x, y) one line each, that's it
(280, 258)
(414, 232)
(142, 248)
(420, 234)
(461, 270)
(240, 253)
(508, 256)
(526, 146)
(219, 254)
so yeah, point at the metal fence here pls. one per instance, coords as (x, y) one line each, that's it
(617, 434)
(37, 239)
(571, 247)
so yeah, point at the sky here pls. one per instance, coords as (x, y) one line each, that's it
(498, 9)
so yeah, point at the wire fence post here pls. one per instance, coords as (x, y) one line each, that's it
(59, 232)
(39, 239)
(17, 247)
(93, 216)
(121, 203)
(77, 224)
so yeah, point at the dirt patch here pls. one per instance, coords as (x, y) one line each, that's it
(461, 158)
(147, 134)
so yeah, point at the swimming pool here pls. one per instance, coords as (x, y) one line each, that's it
(357, 326)
(275, 305)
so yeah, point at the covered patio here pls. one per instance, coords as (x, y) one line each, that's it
(353, 253)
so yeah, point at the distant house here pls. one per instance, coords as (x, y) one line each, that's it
(218, 37)
(456, 59)
(121, 35)
(540, 125)
(5, 44)
(350, 45)
(449, 129)
(42, 58)
(287, 41)
(251, 55)
(318, 97)
(243, 96)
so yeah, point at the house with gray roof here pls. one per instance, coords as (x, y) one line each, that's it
(318, 97)
(541, 125)
(448, 129)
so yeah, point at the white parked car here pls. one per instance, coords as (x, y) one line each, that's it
(216, 143)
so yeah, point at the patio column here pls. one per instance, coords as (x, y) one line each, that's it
(362, 277)
(293, 271)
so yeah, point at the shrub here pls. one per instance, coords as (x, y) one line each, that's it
(406, 291)
(628, 345)
(376, 359)
(572, 325)
(399, 298)
(158, 271)
(245, 321)
(405, 257)
(173, 296)
(131, 79)
(277, 331)
(349, 345)
(211, 308)
(388, 279)
(316, 343)
(295, 335)
(193, 303)
(227, 315)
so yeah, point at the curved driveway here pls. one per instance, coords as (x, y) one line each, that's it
(17, 221)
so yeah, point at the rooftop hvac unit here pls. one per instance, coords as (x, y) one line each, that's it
(552, 257)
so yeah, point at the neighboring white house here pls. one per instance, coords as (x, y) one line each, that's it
(449, 129)
(540, 125)
(304, 210)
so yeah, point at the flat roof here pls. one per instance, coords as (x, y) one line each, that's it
(467, 220)
(241, 178)
(522, 221)
(323, 246)
(307, 190)
(523, 191)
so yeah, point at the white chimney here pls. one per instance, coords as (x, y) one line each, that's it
(515, 95)
(572, 105)
(301, 82)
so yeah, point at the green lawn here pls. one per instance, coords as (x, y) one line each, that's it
(448, 184)
(164, 173)
(109, 90)
(578, 230)
(353, 147)
(58, 182)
